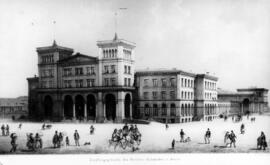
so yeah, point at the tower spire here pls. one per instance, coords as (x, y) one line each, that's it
(115, 37)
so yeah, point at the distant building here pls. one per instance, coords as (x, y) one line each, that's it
(244, 101)
(14, 107)
(175, 95)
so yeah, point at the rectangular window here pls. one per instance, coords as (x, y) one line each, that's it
(164, 82)
(106, 69)
(90, 82)
(106, 81)
(182, 82)
(163, 95)
(155, 82)
(125, 69)
(129, 70)
(92, 70)
(113, 69)
(78, 71)
(155, 96)
(113, 81)
(81, 83)
(172, 94)
(145, 82)
(88, 71)
(129, 82)
(145, 95)
(125, 82)
(173, 82)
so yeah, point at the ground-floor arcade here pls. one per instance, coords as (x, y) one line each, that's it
(103, 106)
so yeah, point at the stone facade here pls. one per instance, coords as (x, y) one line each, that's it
(106, 88)
(175, 95)
(80, 87)
(248, 100)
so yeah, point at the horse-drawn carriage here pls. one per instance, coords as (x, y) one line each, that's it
(125, 138)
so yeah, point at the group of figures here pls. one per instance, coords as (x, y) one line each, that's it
(5, 130)
(229, 138)
(128, 136)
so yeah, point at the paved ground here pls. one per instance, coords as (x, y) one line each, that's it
(155, 138)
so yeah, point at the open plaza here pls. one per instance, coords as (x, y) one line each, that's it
(155, 137)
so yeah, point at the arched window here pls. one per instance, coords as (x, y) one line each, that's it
(155, 109)
(164, 109)
(146, 110)
(173, 110)
(182, 110)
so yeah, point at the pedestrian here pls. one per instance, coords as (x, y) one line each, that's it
(20, 126)
(3, 129)
(92, 129)
(173, 143)
(226, 138)
(38, 141)
(67, 141)
(263, 141)
(207, 136)
(182, 134)
(7, 130)
(242, 129)
(167, 126)
(13, 142)
(55, 139)
(76, 138)
(60, 140)
(232, 137)
(232, 118)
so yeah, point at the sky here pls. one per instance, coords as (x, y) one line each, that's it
(227, 38)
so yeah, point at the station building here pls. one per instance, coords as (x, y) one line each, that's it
(102, 88)
(77, 86)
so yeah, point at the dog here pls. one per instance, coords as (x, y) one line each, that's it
(87, 143)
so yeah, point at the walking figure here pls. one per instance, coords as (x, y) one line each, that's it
(227, 139)
(207, 136)
(76, 138)
(67, 141)
(60, 140)
(167, 126)
(38, 141)
(92, 129)
(261, 141)
(3, 129)
(232, 138)
(13, 142)
(182, 134)
(7, 130)
(55, 139)
(242, 129)
(173, 143)
(20, 126)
